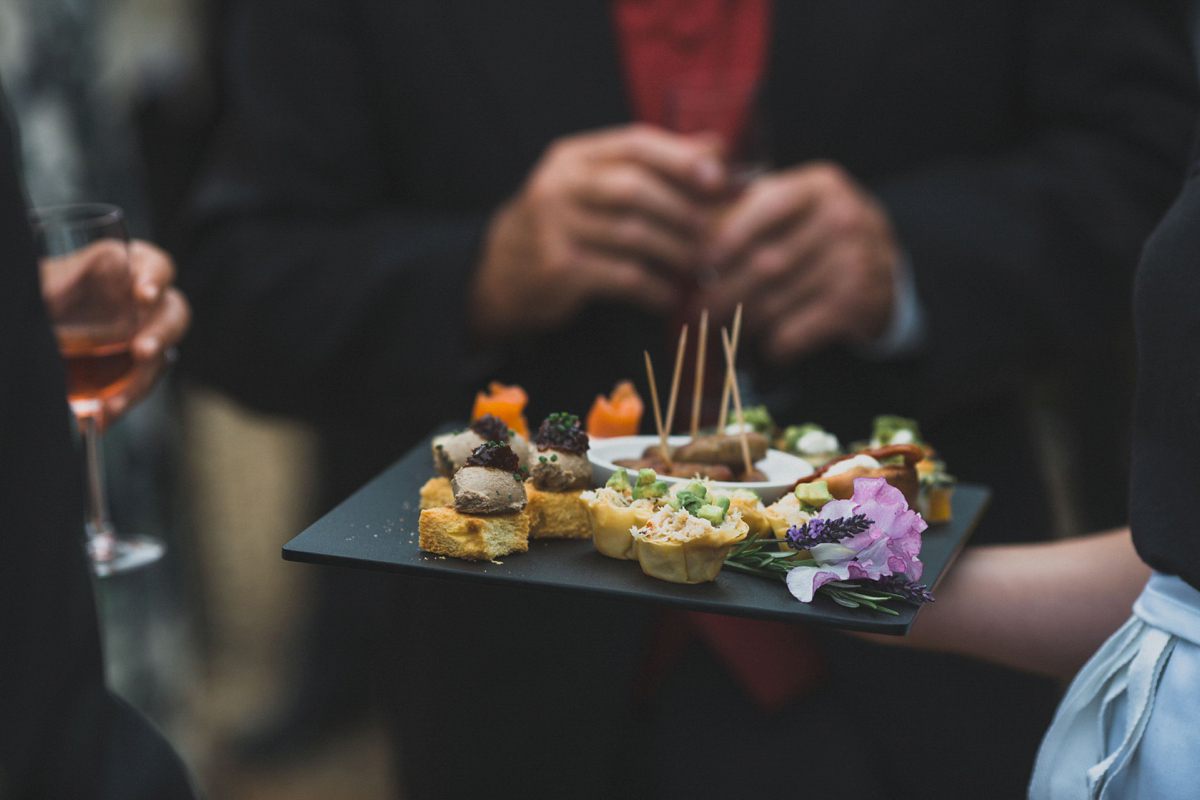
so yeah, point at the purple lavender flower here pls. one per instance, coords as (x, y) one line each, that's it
(819, 531)
(911, 591)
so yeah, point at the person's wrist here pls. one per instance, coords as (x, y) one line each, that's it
(904, 330)
(491, 307)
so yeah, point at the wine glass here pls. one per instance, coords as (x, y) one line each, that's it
(87, 283)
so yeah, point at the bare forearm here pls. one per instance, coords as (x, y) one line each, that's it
(1042, 607)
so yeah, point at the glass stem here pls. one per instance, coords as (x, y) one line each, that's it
(97, 502)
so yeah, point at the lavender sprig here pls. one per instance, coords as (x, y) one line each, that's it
(904, 588)
(821, 531)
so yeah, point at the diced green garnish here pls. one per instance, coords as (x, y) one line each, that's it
(698, 489)
(619, 480)
(650, 490)
(687, 500)
(713, 513)
(759, 418)
(722, 501)
(646, 476)
(794, 433)
(813, 495)
(888, 425)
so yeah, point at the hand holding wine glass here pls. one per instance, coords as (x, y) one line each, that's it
(162, 315)
(115, 316)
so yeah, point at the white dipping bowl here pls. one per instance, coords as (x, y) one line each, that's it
(782, 470)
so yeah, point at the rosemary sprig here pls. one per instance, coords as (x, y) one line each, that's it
(750, 556)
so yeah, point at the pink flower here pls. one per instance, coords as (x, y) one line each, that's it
(889, 546)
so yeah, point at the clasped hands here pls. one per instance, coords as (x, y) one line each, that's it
(636, 214)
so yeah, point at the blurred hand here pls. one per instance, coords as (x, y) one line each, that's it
(810, 254)
(163, 318)
(616, 213)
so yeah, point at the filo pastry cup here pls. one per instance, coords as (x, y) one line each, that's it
(613, 515)
(678, 547)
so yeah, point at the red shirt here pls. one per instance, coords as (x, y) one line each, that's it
(693, 65)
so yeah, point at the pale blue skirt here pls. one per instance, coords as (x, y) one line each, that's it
(1129, 726)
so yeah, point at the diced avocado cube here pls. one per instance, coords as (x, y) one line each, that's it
(722, 501)
(646, 476)
(815, 494)
(712, 513)
(650, 490)
(619, 480)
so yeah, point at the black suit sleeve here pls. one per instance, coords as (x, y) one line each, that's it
(1025, 256)
(317, 284)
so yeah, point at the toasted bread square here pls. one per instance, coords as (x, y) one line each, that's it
(436, 492)
(557, 515)
(447, 532)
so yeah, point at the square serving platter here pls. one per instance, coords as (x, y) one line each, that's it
(376, 528)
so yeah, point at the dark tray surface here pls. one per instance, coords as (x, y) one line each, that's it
(376, 528)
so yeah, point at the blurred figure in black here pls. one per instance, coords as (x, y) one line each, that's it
(63, 733)
(405, 200)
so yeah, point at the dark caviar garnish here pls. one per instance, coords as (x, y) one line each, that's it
(562, 432)
(491, 428)
(493, 456)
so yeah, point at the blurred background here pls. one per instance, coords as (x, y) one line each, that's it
(112, 97)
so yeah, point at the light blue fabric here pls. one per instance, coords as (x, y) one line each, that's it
(1129, 726)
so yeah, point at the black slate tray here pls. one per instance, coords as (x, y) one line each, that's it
(376, 528)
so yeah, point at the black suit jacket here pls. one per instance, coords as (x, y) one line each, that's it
(1023, 150)
(62, 734)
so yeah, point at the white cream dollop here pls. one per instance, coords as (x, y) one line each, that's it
(817, 442)
(860, 460)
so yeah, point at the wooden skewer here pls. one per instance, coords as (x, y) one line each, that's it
(698, 390)
(679, 351)
(662, 433)
(737, 400)
(730, 377)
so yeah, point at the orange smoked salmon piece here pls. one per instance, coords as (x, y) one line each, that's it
(619, 414)
(505, 402)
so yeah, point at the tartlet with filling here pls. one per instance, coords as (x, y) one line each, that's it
(619, 506)
(687, 540)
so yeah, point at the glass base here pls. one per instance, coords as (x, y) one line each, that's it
(111, 555)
